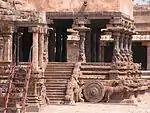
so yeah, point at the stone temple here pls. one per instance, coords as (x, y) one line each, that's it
(69, 51)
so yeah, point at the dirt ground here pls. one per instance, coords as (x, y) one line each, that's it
(139, 107)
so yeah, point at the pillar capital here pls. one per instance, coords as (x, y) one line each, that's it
(116, 34)
(34, 29)
(81, 21)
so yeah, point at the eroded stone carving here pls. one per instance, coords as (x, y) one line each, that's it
(43, 95)
(109, 90)
(74, 87)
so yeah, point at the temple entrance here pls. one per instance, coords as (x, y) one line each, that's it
(23, 44)
(108, 52)
(57, 47)
(140, 54)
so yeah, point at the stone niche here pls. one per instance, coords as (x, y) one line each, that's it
(78, 6)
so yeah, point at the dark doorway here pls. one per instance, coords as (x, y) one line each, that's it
(140, 54)
(58, 40)
(23, 44)
(92, 41)
(108, 52)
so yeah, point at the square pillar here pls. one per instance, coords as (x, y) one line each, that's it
(7, 38)
(35, 49)
(73, 46)
(41, 48)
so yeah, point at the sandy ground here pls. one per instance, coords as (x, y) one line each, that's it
(142, 107)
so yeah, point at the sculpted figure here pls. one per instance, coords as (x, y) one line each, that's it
(4, 4)
(109, 90)
(74, 92)
(43, 94)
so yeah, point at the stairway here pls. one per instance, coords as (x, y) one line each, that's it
(57, 75)
(93, 71)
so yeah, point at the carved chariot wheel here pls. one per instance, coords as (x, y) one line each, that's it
(94, 91)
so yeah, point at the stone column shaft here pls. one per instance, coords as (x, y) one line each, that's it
(35, 50)
(126, 43)
(116, 41)
(116, 51)
(41, 49)
(7, 47)
(93, 45)
(1, 53)
(82, 47)
(121, 42)
(130, 44)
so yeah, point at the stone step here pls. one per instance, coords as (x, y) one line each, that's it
(95, 72)
(93, 76)
(55, 93)
(59, 69)
(56, 85)
(56, 88)
(57, 77)
(60, 65)
(56, 81)
(89, 67)
(57, 97)
(97, 63)
(55, 102)
(57, 72)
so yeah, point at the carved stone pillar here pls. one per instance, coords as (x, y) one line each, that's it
(51, 45)
(114, 73)
(1, 51)
(45, 57)
(126, 43)
(7, 47)
(102, 49)
(116, 51)
(93, 44)
(88, 46)
(41, 48)
(82, 33)
(130, 48)
(121, 42)
(35, 49)
(98, 45)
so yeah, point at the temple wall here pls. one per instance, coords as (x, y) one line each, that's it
(76, 5)
(126, 6)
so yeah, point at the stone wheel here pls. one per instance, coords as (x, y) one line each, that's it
(93, 91)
